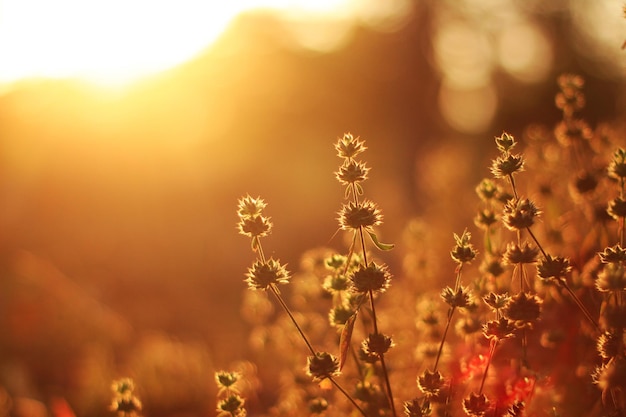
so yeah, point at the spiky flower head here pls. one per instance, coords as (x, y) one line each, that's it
(318, 405)
(485, 219)
(364, 214)
(231, 406)
(507, 165)
(462, 298)
(254, 226)
(613, 254)
(617, 166)
(463, 251)
(322, 365)
(516, 409)
(476, 404)
(348, 146)
(611, 375)
(338, 316)
(336, 283)
(520, 254)
(264, 274)
(610, 344)
(500, 329)
(523, 309)
(227, 380)
(496, 301)
(551, 269)
(612, 278)
(373, 277)
(351, 172)
(377, 344)
(125, 403)
(250, 207)
(487, 189)
(414, 408)
(492, 265)
(617, 208)
(430, 383)
(519, 214)
(505, 142)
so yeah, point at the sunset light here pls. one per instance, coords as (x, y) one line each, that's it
(116, 41)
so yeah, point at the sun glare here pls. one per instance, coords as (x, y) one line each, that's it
(117, 41)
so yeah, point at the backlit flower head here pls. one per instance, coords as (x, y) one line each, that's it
(374, 277)
(617, 166)
(377, 344)
(250, 207)
(612, 278)
(476, 404)
(365, 214)
(352, 172)
(463, 251)
(322, 365)
(523, 309)
(506, 165)
(520, 254)
(519, 214)
(430, 383)
(553, 268)
(348, 146)
(264, 274)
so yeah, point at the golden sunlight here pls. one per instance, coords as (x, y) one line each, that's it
(117, 41)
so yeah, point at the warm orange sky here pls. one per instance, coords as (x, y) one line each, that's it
(116, 41)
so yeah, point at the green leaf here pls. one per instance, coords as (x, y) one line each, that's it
(344, 339)
(380, 245)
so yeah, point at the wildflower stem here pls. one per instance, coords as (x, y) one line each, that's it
(293, 319)
(382, 357)
(492, 349)
(530, 232)
(348, 396)
(443, 338)
(580, 305)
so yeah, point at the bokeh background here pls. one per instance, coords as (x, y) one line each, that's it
(118, 247)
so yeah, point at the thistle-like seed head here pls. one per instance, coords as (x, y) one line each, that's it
(352, 172)
(499, 329)
(505, 142)
(612, 278)
(520, 254)
(617, 208)
(264, 274)
(476, 404)
(430, 383)
(463, 251)
(374, 277)
(459, 299)
(354, 216)
(613, 254)
(617, 166)
(322, 365)
(506, 165)
(348, 146)
(523, 309)
(519, 214)
(377, 344)
(552, 268)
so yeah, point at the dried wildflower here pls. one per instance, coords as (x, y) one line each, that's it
(374, 277)
(336, 261)
(359, 215)
(255, 226)
(505, 142)
(611, 375)
(485, 219)
(499, 329)
(463, 251)
(352, 172)
(492, 265)
(462, 298)
(476, 404)
(125, 403)
(610, 344)
(523, 309)
(226, 380)
(617, 166)
(430, 383)
(467, 326)
(617, 208)
(572, 131)
(336, 283)
(611, 278)
(551, 269)
(348, 146)
(487, 189)
(613, 254)
(250, 207)
(496, 301)
(516, 409)
(367, 356)
(570, 83)
(519, 214)
(318, 405)
(413, 408)
(520, 254)
(366, 392)
(231, 406)
(262, 275)
(377, 344)
(507, 165)
(338, 316)
(322, 365)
